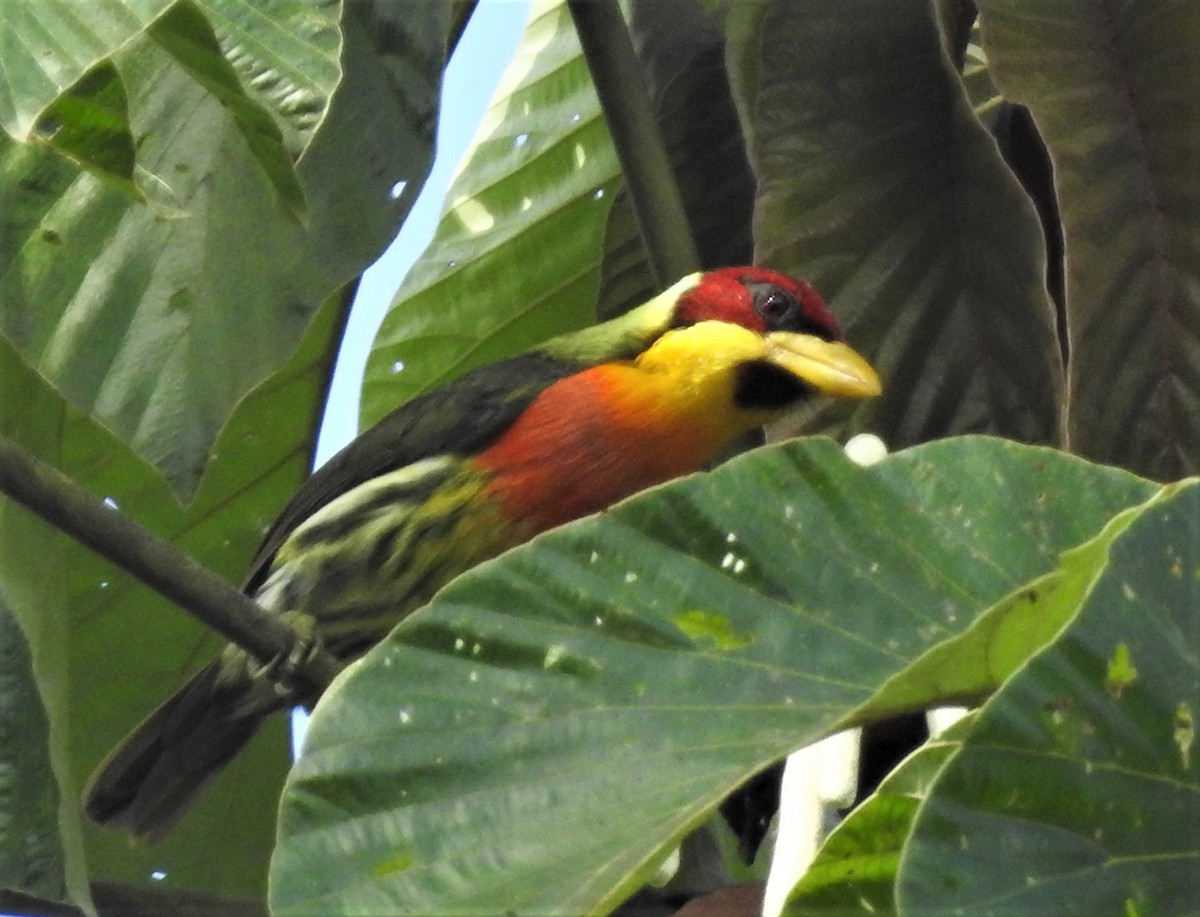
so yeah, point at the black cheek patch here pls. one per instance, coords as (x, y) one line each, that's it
(764, 385)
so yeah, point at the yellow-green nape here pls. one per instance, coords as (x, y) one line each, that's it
(626, 336)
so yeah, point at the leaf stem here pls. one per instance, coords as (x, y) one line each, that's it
(54, 497)
(649, 178)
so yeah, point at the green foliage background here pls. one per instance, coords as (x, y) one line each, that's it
(1000, 201)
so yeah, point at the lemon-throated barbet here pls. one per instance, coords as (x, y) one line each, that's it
(462, 473)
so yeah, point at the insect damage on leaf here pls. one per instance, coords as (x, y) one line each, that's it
(1121, 672)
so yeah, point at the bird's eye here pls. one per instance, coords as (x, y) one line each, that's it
(782, 310)
(775, 307)
(778, 308)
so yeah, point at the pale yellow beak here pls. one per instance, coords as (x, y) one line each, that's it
(830, 367)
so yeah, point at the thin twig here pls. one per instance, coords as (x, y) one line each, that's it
(54, 497)
(649, 179)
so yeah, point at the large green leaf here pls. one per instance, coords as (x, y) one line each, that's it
(249, 479)
(30, 855)
(860, 860)
(184, 33)
(1077, 790)
(646, 661)
(877, 181)
(996, 644)
(287, 50)
(32, 561)
(105, 649)
(516, 256)
(157, 318)
(1111, 87)
(48, 46)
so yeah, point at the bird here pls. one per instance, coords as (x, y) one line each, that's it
(477, 466)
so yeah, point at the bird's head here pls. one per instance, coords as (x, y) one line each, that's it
(776, 331)
(755, 298)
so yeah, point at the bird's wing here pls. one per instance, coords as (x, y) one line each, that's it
(460, 418)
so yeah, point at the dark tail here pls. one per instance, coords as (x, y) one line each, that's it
(149, 780)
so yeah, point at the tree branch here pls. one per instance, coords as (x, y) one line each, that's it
(649, 178)
(54, 497)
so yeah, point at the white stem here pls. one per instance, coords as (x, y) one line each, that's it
(822, 774)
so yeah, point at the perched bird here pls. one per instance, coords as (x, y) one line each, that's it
(460, 474)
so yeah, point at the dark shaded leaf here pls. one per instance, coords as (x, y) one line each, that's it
(878, 183)
(89, 125)
(1111, 87)
(31, 856)
(682, 52)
